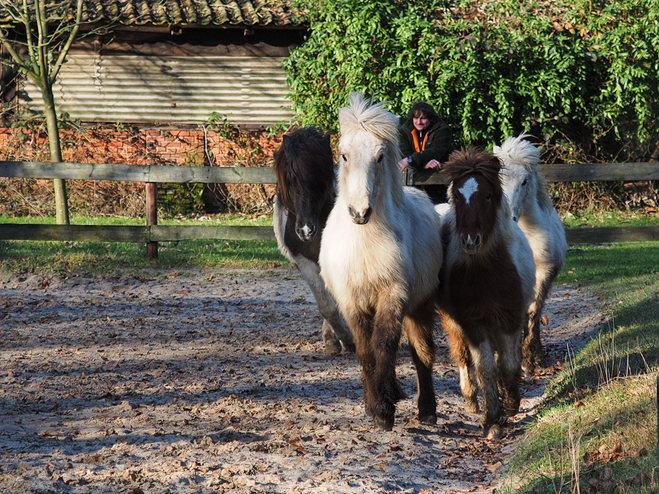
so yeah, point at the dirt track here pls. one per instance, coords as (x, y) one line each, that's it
(217, 382)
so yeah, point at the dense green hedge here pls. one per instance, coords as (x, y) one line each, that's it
(581, 75)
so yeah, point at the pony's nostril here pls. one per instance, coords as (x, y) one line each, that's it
(306, 232)
(478, 240)
(360, 217)
(515, 219)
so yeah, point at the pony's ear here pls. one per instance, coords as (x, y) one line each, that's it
(344, 114)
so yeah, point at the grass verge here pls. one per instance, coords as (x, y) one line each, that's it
(111, 258)
(597, 432)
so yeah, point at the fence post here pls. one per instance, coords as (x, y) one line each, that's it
(151, 217)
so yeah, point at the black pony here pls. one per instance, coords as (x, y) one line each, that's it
(304, 168)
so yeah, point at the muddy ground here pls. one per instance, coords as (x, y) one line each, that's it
(217, 382)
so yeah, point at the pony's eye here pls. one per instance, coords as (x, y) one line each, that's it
(488, 197)
(526, 181)
(380, 158)
(343, 157)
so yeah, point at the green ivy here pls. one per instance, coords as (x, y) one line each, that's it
(584, 71)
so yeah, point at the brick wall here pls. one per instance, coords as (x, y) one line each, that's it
(139, 147)
(143, 146)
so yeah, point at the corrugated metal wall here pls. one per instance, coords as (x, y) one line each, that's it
(168, 90)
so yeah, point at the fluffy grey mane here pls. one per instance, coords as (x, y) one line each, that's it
(364, 115)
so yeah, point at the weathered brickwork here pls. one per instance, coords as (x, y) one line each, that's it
(143, 147)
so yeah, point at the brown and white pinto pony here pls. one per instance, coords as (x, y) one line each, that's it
(486, 285)
(380, 258)
(304, 167)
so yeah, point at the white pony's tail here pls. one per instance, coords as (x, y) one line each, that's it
(518, 151)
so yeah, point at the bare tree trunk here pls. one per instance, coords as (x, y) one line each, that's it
(50, 112)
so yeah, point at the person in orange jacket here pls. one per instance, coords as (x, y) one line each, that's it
(425, 141)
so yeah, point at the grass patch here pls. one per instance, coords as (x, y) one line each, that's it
(100, 258)
(598, 429)
(610, 218)
(211, 220)
(109, 258)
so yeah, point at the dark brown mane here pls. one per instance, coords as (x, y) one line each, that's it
(304, 161)
(473, 160)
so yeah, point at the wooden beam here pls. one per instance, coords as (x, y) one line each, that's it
(138, 234)
(602, 235)
(174, 233)
(138, 173)
(561, 172)
(73, 233)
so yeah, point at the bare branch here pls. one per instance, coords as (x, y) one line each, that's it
(69, 41)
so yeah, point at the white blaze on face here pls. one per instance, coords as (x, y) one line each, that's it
(468, 188)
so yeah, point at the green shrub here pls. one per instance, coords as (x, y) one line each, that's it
(581, 73)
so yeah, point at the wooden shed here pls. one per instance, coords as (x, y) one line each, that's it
(178, 62)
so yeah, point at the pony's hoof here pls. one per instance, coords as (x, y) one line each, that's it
(428, 418)
(349, 346)
(494, 432)
(384, 424)
(511, 410)
(528, 374)
(332, 348)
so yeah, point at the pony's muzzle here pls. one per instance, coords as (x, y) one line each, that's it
(306, 232)
(471, 245)
(360, 217)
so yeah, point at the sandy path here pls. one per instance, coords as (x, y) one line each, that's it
(218, 383)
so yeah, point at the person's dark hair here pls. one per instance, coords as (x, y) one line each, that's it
(425, 109)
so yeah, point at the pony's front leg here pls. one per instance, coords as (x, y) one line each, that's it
(361, 326)
(387, 330)
(461, 355)
(487, 374)
(418, 329)
(335, 329)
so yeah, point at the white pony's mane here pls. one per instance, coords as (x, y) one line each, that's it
(363, 115)
(518, 151)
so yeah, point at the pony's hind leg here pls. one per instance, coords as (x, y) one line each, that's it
(532, 352)
(509, 372)
(332, 343)
(418, 329)
(461, 355)
(335, 329)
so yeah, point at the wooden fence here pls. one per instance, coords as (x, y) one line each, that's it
(151, 175)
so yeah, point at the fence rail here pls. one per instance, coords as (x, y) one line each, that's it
(152, 233)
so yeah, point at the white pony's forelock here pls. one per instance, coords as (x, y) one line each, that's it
(364, 115)
(518, 151)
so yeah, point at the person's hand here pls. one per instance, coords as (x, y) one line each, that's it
(402, 164)
(433, 165)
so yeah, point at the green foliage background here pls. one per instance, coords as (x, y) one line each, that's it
(582, 76)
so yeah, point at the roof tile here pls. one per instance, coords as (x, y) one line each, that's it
(184, 12)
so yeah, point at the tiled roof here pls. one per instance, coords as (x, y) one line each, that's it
(181, 12)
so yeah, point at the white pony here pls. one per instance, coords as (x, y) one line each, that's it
(380, 258)
(531, 207)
